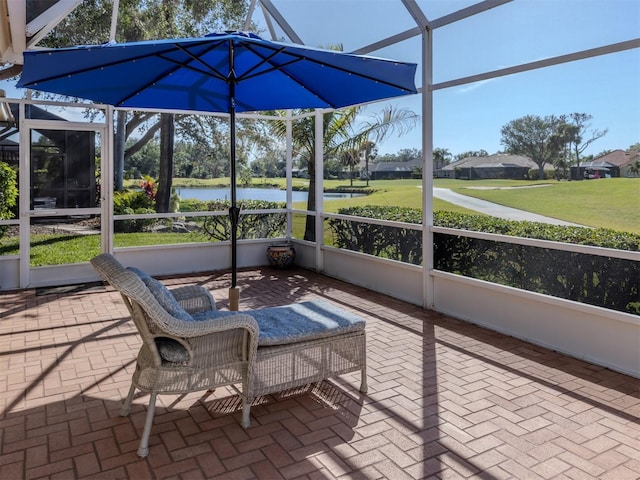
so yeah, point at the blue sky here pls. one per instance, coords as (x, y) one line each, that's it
(469, 117)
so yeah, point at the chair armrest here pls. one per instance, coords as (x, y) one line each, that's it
(194, 298)
(184, 329)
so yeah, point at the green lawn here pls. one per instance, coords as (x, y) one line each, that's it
(609, 203)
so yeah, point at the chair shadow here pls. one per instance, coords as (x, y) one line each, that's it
(202, 428)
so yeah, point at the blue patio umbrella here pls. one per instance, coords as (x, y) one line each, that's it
(227, 72)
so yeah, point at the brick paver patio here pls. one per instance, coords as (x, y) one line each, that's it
(446, 399)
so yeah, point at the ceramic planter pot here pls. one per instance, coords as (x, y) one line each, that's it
(281, 255)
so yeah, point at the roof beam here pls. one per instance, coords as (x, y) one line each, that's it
(247, 21)
(280, 20)
(467, 12)
(547, 62)
(47, 20)
(416, 12)
(423, 22)
(17, 19)
(114, 20)
(267, 18)
(397, 38)
(10, 72)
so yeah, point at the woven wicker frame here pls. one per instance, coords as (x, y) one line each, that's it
(223, 351)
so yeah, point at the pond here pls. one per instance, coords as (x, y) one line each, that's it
(266, 194)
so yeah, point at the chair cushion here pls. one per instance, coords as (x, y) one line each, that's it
(297, 322)
(171, 351)
(163, 295)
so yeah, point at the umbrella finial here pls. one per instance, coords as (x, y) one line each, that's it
(237, 33)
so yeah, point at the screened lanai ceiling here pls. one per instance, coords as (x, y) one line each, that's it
(461, 46)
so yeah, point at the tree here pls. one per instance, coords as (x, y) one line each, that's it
(471, 153)
(634, 168)
(370, 151)
(634, 148)
(565, 133)
(89, 23)
(403, 155)
(339, 135)
(165, 174)
(604, 152)
(8, 193)
(532, 136)
(441, 157)
(580, 138)
(350, 158)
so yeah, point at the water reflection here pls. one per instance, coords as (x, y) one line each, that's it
(266, 194)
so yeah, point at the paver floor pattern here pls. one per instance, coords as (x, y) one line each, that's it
(446, 399)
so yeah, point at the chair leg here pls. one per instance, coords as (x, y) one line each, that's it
(363, 381)
(143, 448)
(246, 413)
(126, 407)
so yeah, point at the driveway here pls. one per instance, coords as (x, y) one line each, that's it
(494, 209)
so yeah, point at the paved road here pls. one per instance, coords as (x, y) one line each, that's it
(494, 209)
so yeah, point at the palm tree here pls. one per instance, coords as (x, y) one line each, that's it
(340, 135)
(350, 158)
(370, 151)
(441, 157)
(634, 168)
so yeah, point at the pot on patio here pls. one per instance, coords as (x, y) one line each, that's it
(281, 255)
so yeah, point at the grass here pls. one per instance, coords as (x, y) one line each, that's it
(609, 203)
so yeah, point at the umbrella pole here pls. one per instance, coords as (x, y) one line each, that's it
(234, 211)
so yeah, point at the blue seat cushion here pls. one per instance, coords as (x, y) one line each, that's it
(297, 322)
(162, 295)
(171, 351)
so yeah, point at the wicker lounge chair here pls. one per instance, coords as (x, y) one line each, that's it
(188, 345)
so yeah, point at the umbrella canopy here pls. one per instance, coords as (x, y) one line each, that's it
(230, 72)
(199, 73)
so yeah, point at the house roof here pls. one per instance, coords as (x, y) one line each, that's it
(395, 166)
(495, 160)
(619, 158)
(598, 163)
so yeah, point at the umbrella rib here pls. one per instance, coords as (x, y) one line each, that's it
(209, 69)
(213, 72)
(299, 57)
(93, 68)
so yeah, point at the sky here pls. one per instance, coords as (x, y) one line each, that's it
(469, 117)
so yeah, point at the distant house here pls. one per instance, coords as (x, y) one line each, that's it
(499, 165)
(392, 170)
(620, 161)
(595, 169)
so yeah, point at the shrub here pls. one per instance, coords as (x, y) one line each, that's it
(255, 225)
(129, 203)
(593, 279)
(8, 194)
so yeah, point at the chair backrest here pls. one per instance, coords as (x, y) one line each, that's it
(150, 317)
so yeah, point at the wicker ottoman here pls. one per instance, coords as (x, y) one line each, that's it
(300, 344)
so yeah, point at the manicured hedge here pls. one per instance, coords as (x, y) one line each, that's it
(254, 225)
(603, 281)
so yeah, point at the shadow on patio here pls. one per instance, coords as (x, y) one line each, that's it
(446, 399)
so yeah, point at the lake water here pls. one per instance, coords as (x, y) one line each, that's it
(266, 194)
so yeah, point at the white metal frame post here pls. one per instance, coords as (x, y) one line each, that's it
(289, 174)
(107, 175)
(427, 150)
(427, 168)
(319, 170)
